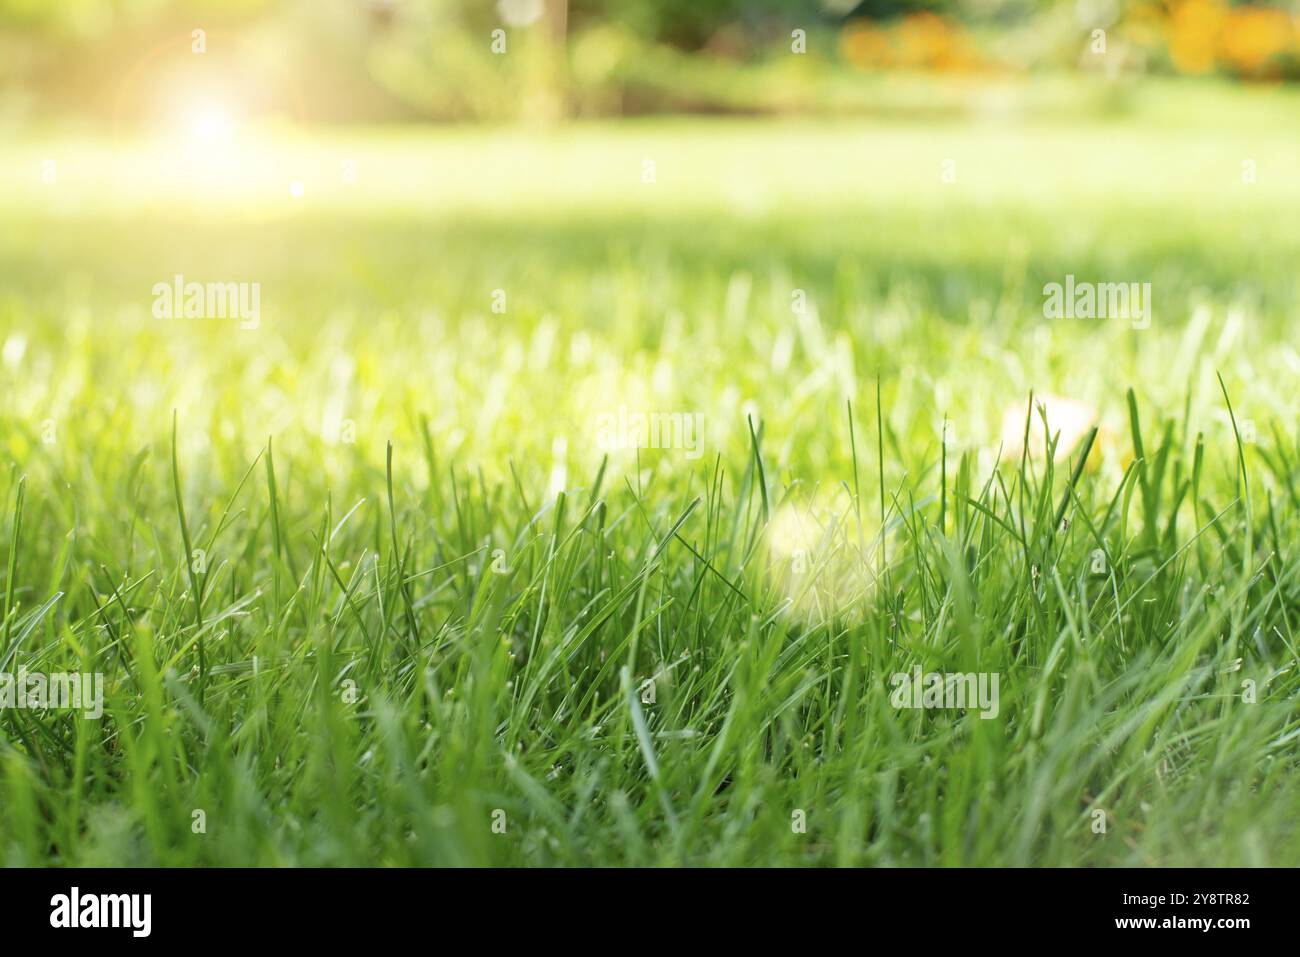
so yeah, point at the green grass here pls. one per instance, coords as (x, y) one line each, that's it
(353, 674)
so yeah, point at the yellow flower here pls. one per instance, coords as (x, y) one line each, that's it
(1194, 31)
(865, 46)
(1253, 36)
(920, 41)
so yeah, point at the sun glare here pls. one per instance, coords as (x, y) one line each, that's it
(209, 124)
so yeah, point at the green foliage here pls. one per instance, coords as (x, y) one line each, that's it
(688, 25)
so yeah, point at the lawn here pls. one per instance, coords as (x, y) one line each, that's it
(367, 583)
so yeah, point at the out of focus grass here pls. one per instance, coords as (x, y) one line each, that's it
(482, 689)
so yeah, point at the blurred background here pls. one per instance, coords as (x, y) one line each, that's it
(401, 60)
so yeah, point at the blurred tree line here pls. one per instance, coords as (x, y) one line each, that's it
(542, 59)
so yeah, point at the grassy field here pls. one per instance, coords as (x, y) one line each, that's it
(365, 587)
